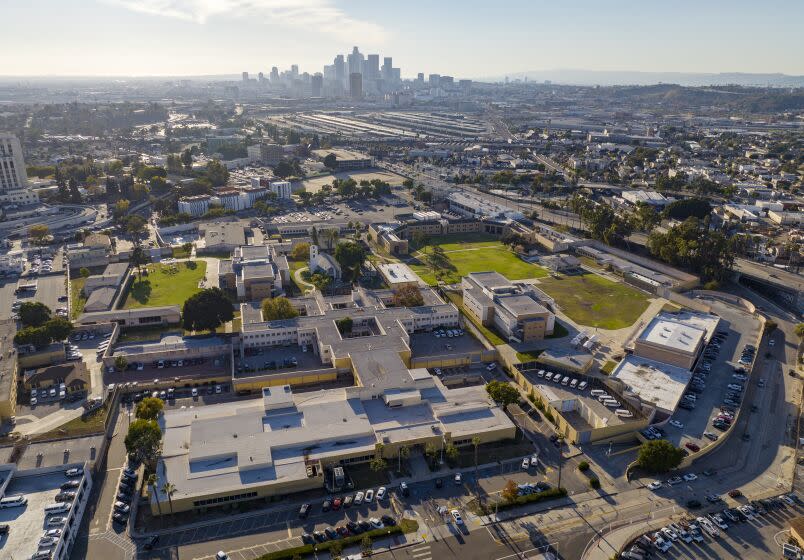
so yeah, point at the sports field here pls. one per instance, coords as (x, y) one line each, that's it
(165, 284)
(595, 301)
(467, 253)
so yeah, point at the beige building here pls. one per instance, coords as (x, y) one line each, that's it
(140, 317)
(8, 370)
(518, 311)
(675, 339)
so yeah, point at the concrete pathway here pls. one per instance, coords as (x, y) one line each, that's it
(297, 275)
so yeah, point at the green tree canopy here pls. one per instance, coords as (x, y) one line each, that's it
(344, 324)
(659, 456)
(685, 207)
(143, 440)
(277, 308)
(149, 408)
(217, 173)
(300, 252)
(350, 255)
(207, 310)
(38, 232)
(34, 314)
(330, 161)
(693, 246)
(502, 393)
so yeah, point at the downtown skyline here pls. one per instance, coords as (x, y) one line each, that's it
(215, 37)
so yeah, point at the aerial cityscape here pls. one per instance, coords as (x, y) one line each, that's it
(287, 279)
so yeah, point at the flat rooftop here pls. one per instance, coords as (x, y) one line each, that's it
(656, 383)
(673, 334)
(28, 523)
(399, 273)
(586, 412)
(168, 343)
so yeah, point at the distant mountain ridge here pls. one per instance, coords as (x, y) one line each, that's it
(613, 77)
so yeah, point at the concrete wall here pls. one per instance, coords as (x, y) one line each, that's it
(685, 281)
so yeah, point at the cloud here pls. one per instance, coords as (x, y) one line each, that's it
(316, 15)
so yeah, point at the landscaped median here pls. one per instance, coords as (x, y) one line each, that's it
(404, 526)
(487, 507)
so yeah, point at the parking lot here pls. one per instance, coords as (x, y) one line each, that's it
(50, 290)
(250, 536)
(272, 359)
(742, 329)
(756, 538)
(428, 344)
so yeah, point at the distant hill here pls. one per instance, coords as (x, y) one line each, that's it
(611, 78)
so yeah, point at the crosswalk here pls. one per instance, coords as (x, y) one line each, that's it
(421, 553)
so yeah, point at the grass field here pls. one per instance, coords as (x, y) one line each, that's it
(165, 284)
(595, 301)
(474, 253)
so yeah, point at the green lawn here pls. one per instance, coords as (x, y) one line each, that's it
(477, 257)
(461, 241)
(165, 284)
(77, 299)
(595, 301)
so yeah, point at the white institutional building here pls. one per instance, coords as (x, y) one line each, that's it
(13, 178)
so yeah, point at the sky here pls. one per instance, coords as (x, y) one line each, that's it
(462, 38)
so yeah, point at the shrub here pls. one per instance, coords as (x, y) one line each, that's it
(594, 482)
(551, 494)
(583, 466)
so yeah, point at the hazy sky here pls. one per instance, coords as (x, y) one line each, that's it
(464, 38)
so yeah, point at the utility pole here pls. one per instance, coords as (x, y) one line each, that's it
(560, 453)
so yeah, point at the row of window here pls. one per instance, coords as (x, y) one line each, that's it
(224, 499)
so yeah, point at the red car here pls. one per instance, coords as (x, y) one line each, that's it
(692, 447)
(336, 504)
(342, 531)
(735, 493)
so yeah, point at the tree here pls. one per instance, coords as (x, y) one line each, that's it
(685, 207)
(283, 169)
(300, 252)
(143, 440)
(151, 482)
(149, 408)
(350, 255)
(659, 456)
(137, 258)
(451, 451)
(320, 280)
(799, 330)
(187, 248)
(378, 463)
(404, 453)
(168, 488)
(502, 393)
(408, 296)
(187, 160)
(75, 195)
(344, 325)
(120, 209)
(217, 173)
(510, 491)
(693, 246)
(330, 161)
(365, 546)
(430, 451)
(274, 309)
(35, 336)
(135, 226)
(34, 314)
(207, 310)
(58, 328)
(84, 272)
(120, 363)
(39, 233)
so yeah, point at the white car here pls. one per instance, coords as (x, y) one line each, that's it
(689, 477)
(381, 493)
(221, 555)
(358, 498)
(676, 423)
(669, 533)
(534, 460)
(194, 392)
(655, 485)
(458, 478)
(376, 523)
(525, 463)
(369, 496)
(456, 516)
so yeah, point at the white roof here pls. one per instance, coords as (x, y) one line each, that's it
(674, 334)
(654, 382)
(398, 273)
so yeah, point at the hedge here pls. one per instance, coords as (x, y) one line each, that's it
(551, 494)
(404, 526)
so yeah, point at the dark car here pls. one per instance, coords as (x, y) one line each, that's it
(120, 518)
(307, 538)
(439, 483)
(65, 496)
(342, 531)
(70, 484)
(364, 525)
(152, 542)
(388, 521)
(354, 527)
(693, 504)
(692, 446)
(304, 511)
(331, 533)
(319, 536)
(123, 497)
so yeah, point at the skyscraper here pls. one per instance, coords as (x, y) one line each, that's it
(317, 84)
(372, 67)
(355, 61)
(340, 69)
(387, 65)
(13, 178)
(356, 85)
(274, 74)
(245, 76)
(294, 70)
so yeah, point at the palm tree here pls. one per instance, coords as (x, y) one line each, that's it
(475, 442)
(151, 482)
(331, 237)
(430, 450)
(169, 488)
(404, 451)
(451, 451)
